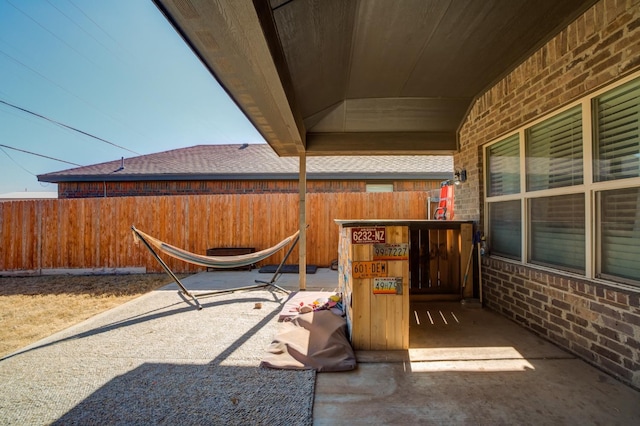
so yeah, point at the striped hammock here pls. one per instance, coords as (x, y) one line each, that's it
(220, 262)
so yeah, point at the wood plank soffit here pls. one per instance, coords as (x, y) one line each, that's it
(229, 39)
(390, 115)
(381, 143)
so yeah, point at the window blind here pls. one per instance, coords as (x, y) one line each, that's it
(503, 167)
(554, 152)
(620, 233)
(617, 133)
(505, 223)
(558, 231)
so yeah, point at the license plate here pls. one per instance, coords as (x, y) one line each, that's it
(391, 251)
(392, 285)
(368, 235)
(369, 269)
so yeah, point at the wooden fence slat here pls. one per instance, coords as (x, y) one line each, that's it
(95, 233)
(4, 231)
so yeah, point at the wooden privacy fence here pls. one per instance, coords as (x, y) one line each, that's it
(95, 233)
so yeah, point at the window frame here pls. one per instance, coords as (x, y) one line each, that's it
(589, 188)
(489, 216)
(376, 187)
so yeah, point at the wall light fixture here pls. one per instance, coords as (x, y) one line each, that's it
(460, 176)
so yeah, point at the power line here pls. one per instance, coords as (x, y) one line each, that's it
(85, 101)
(50, 32)
(16, 163)
(97, 25)
(38, 155)
(67, 126)
(63, 89)
(80, 27)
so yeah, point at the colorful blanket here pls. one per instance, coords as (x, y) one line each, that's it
(310, 301)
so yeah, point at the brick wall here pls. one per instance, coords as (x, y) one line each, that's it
(598, 48)
(595, 321)
(157, 188)
(598, 324)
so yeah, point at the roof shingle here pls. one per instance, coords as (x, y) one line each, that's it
(254, 161)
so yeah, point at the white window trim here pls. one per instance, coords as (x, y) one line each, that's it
(379, 187)
(589, 188)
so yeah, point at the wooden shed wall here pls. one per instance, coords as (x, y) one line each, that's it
(202, 187)
(96, 233)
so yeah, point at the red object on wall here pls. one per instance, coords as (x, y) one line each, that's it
(444, 211)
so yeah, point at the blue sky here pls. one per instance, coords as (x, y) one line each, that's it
(115, 69)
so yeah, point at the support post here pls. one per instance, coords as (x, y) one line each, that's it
(302, 220)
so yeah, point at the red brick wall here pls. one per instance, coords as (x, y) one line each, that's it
(156, 188)
(598, 48)
(599, 324)
(596, 321)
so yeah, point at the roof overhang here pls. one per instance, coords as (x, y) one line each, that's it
(378, 176)
(333, 77)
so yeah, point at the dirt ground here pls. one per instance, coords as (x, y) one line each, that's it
(35, 307)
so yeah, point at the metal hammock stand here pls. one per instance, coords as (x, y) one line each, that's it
(221, 262)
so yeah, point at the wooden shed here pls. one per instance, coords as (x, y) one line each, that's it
(380, 271)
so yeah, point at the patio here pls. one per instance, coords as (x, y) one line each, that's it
(465, 365)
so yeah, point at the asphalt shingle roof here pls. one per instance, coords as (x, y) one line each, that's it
(254, 161)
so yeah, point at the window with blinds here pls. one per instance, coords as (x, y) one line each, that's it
(506, 229)
(617, 133)
(550, 222)
(503, 167)
(554, 152)
(558, 231)
(619, 234)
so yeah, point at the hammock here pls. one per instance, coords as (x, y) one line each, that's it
(221, 262)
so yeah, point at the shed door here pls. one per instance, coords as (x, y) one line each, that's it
(434, 261)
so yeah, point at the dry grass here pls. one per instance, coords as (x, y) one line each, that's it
(32, 308)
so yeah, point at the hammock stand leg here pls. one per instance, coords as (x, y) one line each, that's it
(277, 274)
(259, 283)
(169, 271)
(185, 291)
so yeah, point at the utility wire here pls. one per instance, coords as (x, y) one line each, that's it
(64, 89)
(81, 28)
(97, 25)
(66, 126)
(38, 155)
(50, 32)
(56, 84)
(16, 163)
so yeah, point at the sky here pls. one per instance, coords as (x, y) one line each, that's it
(116, 72)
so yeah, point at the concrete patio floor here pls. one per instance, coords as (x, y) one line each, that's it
(465, 365)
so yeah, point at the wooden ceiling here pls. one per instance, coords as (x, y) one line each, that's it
(363, 77)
